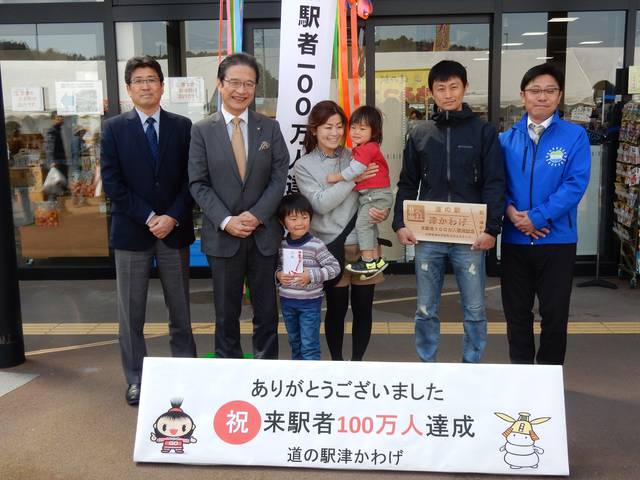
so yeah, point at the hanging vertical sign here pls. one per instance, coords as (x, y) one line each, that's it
(306, 48)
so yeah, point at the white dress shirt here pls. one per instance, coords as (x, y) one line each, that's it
(244, 125)
(143, 119)
(532, 134)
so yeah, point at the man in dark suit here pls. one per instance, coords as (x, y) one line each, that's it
(238, 164)
(144, 173)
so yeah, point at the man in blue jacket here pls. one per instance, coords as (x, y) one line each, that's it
(453, 157)
(547, 162)
(144, 173)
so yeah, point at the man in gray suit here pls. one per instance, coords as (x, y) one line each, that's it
(238, 164)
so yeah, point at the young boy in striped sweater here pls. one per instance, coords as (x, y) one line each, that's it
(304, 264)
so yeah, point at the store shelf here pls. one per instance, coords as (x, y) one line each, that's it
(626, 223)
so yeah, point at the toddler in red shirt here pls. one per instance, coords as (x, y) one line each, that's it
(365, 130)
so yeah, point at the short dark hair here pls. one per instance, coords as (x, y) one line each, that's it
(144, 61)
(239, 58)
(446, 69)
(370, 116)
(542, 69)
(294, 203)
(320, 114)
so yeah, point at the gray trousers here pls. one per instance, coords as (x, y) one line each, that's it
(133, 269)
(379, 198)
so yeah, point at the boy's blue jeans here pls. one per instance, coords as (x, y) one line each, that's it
(468, 266)
(302, 319)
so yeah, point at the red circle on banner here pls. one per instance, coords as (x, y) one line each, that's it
(237, 422)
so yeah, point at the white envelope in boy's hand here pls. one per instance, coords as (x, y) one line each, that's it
(292, 260)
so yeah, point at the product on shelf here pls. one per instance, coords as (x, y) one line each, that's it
(47, 214)
(627, 185)
(82, 186)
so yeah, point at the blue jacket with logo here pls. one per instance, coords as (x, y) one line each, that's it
(548, 179)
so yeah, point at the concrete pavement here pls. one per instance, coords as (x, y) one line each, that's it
(70, 421)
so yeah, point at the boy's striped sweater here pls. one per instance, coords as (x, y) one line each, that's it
(318, 261)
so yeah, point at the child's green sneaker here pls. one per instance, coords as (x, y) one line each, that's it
(363, 267)
(381, 264)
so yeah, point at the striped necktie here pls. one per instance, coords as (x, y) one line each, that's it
(537, 129)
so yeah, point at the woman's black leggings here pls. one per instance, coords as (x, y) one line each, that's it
(337, 305)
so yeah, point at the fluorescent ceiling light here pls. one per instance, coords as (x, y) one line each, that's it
(563, 19)
(533, 34)
(481, 59)
(591, 42)
(544, 58)
(512, 44)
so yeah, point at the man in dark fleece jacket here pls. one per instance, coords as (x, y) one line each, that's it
(454, 157)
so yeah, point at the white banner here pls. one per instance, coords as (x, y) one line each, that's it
(306, 50)
(501, 419)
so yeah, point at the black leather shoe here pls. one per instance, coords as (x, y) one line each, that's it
(133, 394)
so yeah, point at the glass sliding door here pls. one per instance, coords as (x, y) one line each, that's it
(266, 49)
(136, 39)
(588, 47)
(53, 80)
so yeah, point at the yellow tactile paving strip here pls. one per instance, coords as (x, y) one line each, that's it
(379, 328)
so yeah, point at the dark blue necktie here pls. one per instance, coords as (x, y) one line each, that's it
(152, 138)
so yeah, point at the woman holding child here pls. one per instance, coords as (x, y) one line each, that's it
(335, 205)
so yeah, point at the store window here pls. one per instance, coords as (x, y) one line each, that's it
(588, 47)
(524, 44)
(50, 1)
(188, 54)
(266, 48)
(190, 50)
(55, 94)
(636, 52)
(136, 39)
(403, 56)
(201, 51)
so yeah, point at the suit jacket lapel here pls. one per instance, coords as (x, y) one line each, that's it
(254, 130)
(139, 136)
(220, 131)
(166, 132)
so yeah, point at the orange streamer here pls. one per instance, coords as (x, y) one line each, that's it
(344, 65)
(220, 22)
(354, 55)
